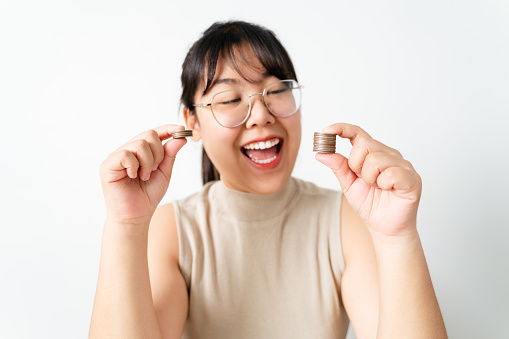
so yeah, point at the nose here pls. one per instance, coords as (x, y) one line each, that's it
(260, 114)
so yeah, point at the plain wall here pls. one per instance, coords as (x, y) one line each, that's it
(78, 79)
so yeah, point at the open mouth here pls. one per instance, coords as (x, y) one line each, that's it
(263, 152)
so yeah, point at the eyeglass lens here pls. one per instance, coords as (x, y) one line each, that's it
(231, 108)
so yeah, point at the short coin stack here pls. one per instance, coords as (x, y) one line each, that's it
(324, 143)
(182, 134)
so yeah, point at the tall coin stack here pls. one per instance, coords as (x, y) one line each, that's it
(324, 143)
(182, 134)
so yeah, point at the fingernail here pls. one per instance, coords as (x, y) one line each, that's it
(147, 176)
(328, 129)
(155, 167)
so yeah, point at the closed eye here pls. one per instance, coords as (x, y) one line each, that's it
(278, 91)
(229, 102)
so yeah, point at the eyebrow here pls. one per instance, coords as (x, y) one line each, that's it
(233, 81)
(227, 81)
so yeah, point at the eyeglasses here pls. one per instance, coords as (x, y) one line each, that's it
(231, 108)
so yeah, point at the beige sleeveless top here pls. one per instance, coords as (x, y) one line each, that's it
(262, 266)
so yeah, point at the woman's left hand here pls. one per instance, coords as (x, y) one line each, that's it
(381, 186)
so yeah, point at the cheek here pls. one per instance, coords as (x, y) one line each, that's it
(219, 143)
(294, 128)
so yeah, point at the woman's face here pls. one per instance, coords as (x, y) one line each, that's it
(232, 150)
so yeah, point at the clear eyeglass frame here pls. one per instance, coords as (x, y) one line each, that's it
(263, 94)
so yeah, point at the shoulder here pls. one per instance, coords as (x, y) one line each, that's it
(196, 198)
(163, 230)
(315, 197)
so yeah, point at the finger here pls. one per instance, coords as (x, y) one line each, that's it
(339, 165)
(347, 131)
(357, 135)
(362, 143)
(375, 163)
(141, 149)
(357, 157)
(156, 147)
(154, 138)
(163, 132)
(131, 164)
(118, 165)
(399, 178)
(171, 148)
(364, 147)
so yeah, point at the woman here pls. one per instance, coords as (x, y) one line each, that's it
(258, 254)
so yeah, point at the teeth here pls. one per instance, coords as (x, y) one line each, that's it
(266, 161)
(263, 144)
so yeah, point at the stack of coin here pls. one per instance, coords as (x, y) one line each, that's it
(182, 134)
(324, 143)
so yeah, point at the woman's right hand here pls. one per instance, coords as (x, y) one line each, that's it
(136, 176)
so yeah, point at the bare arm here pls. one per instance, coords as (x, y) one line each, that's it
(134, 179)
(169, 290)
(386, 288)
(128, 303)
(408, 305)
(359, 282)
(123, 305)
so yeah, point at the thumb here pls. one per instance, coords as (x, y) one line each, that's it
(171, 148)
(339, 165)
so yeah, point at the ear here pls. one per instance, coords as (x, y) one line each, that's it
(192, 123)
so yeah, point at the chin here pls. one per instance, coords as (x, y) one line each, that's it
(256, 179)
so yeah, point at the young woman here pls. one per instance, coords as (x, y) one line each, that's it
(257, 253)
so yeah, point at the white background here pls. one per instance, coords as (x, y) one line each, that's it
(77, 79)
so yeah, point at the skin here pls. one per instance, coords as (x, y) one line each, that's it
(386, 287)
(223, 145)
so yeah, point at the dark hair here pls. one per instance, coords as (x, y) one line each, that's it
(226, 40)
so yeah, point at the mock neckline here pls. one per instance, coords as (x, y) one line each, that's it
(252, 207)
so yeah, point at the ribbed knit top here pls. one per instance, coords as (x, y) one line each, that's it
(262, 266)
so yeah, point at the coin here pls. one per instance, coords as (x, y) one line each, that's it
(182, 134)
(324, 143)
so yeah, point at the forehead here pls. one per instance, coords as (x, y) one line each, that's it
(239, 72)
(239, 66)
